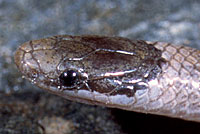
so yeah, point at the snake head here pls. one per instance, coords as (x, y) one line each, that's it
(79, 65)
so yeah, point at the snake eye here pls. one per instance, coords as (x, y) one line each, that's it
(68, 78)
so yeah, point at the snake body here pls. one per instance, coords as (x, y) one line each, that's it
(148, 77)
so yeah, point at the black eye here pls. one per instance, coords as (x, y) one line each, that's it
(68, 78)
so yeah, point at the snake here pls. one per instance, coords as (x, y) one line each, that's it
(135, 75)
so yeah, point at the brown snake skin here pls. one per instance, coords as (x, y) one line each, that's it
(174, 93)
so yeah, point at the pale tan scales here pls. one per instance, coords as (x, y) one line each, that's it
(177, 89)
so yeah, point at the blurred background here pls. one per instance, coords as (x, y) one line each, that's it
(26, 109)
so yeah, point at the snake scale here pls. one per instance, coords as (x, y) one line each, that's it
(135, 75)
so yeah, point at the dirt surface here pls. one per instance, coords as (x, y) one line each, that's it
(40, 113)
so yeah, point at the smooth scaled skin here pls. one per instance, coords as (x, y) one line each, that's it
(148, 77)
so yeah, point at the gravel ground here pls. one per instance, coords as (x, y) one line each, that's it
(25, 109)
